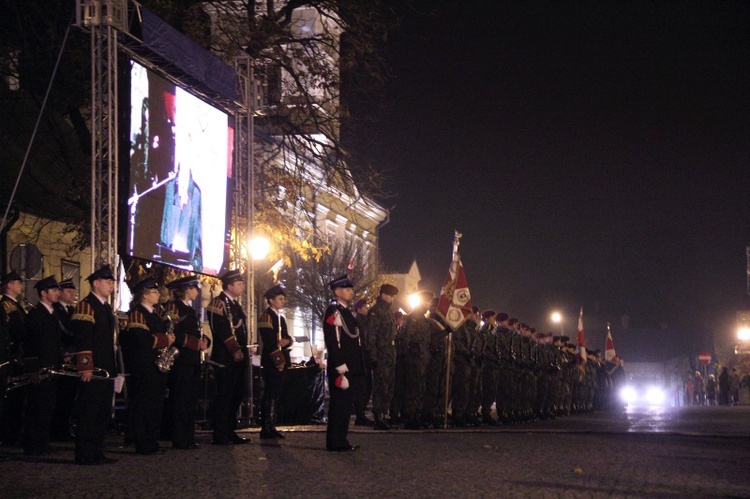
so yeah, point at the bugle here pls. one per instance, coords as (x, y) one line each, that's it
(72, 371)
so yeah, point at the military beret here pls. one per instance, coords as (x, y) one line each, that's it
(104, 272)
(144, 284)
(67, 284)
(398, 314)
(512, 321)
(475, 309)
(487, 314)
(501, 317)
(341, 282)
(11, 276)
(190, 281)
(388, 289)
(274, 292)
(47, 283)
(360, 303)
(231, 276)
(564, 339)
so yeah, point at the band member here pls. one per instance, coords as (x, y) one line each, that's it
(381, 341)
(345, 363)
(42, 350)
(14, 316)
(66, 385)
(141, 343)
(229, 327)
(185, 376)
(94, 328)
(274, 358)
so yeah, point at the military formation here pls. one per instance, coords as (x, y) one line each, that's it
(59, 362)
(491, 370)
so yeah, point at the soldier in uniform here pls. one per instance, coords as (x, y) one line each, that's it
(141, 343)
(42, 350)
(66, 385)
(504, 398)
(185, 375)
(490, 366)
(14, 316)
(416, 356)
(381, 348)
(397, 402)
(345, 362)
(94, 327)
(461, 341)
(434, 399)
(277, 343)
(229, 326)
(363, 391)
(475, 376)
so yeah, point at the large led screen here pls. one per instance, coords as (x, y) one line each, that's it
(180, 163)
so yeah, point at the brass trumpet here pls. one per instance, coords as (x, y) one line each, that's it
(27, 379)
(72, 370)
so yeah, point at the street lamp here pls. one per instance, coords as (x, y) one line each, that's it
(558, 319)
(414, 300)
(743, 334)
(258, 248)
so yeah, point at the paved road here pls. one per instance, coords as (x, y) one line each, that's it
(692, 452)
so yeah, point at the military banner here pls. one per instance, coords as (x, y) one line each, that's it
(454, 303)
(609, 348)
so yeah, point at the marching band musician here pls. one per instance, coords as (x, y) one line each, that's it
(14, 316)
(229, 327)
(345, 363)
(185, 376)
(94, 328)
(141, 342)
(66, 385)
(42, 349)
(275, 358)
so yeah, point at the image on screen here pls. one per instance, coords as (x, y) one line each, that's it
(180, 162)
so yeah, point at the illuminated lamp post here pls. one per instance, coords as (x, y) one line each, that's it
(557, 318)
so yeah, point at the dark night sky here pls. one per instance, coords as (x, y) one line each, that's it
(592, 154)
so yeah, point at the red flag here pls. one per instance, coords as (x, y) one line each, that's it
(609, 348)
(454, 303)
(581, 340)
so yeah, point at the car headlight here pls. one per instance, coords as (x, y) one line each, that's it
(628, 394)
(655, 395)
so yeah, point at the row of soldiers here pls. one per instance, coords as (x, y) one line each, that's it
(496, 362)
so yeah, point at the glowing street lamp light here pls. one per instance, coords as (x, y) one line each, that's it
(743, 334)
(557, 318)
(259, 247)
(414, 300)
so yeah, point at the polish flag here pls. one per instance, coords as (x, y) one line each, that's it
(609, 348)
(581, 340)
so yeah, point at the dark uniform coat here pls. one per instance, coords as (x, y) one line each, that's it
(381, 347)
(229, 327)
(94, 326)
(344, 347)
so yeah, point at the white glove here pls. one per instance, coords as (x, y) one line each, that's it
(342, 369)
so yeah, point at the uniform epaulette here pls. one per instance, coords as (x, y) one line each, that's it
(84, 312)
(136, 319)
(171, 311)
(216, 306)
(9, 306)
(264, 321)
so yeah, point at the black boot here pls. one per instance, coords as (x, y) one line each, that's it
(266, 423)
(380, 423)
(274, 432)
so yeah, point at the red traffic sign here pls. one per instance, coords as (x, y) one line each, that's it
(704, 357)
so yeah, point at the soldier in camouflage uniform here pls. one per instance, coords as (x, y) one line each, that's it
(518, 374)
(433, 406)
(381, 347)
(504, 398)
(462, 361)
(416, 341)
(397, 401)
(490, 366)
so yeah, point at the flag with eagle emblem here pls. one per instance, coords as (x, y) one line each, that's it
(454, 303)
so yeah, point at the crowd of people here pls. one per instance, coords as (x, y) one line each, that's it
(724, 390)
(415, 370)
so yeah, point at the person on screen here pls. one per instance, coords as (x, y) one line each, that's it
(181, 229)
